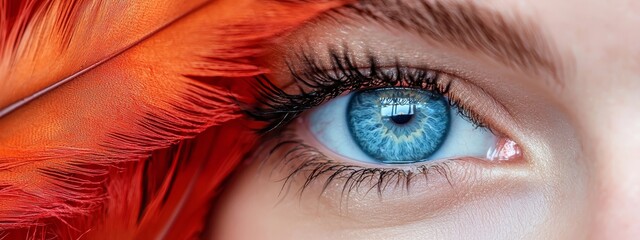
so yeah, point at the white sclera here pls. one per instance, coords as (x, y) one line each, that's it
(328, 124)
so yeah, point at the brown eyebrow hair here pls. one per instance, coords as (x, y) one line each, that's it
(512, 41)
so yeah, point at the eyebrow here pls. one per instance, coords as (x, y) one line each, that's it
(512, 41)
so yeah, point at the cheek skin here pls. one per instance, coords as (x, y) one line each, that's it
(253, 209)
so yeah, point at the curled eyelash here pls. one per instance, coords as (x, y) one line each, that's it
(306, 163)
(317, 84)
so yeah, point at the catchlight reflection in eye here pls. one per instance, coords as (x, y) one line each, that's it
(400, 126)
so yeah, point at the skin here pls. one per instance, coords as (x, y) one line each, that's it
(578, 175)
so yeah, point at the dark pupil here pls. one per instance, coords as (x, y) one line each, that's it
(401, 119)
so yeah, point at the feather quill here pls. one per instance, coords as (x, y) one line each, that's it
(76, 161)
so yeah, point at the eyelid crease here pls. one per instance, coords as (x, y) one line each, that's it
(512, 40)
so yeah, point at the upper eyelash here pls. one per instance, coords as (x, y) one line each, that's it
(276, 107)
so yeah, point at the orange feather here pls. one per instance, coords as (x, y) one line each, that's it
(104, 84)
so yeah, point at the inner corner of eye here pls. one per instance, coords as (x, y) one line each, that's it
(398, 125)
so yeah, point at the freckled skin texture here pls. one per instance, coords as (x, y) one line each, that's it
(580, 178)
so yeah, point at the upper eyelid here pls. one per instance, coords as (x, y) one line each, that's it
(507, 126)
(272, 96)
(514, 40)
(341, 61)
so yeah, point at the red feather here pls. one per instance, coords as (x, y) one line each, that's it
(79, 157)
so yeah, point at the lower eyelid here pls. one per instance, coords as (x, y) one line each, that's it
(369, 202)
(298, 130)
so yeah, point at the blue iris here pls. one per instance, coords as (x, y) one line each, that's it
(398, 125)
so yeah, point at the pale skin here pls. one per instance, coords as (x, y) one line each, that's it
(579, 135)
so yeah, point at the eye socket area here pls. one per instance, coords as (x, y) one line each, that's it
(397, 125)
(315, 82)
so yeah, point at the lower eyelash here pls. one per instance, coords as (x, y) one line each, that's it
(306, 162)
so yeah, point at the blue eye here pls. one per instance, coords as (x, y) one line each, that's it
(396, 126)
